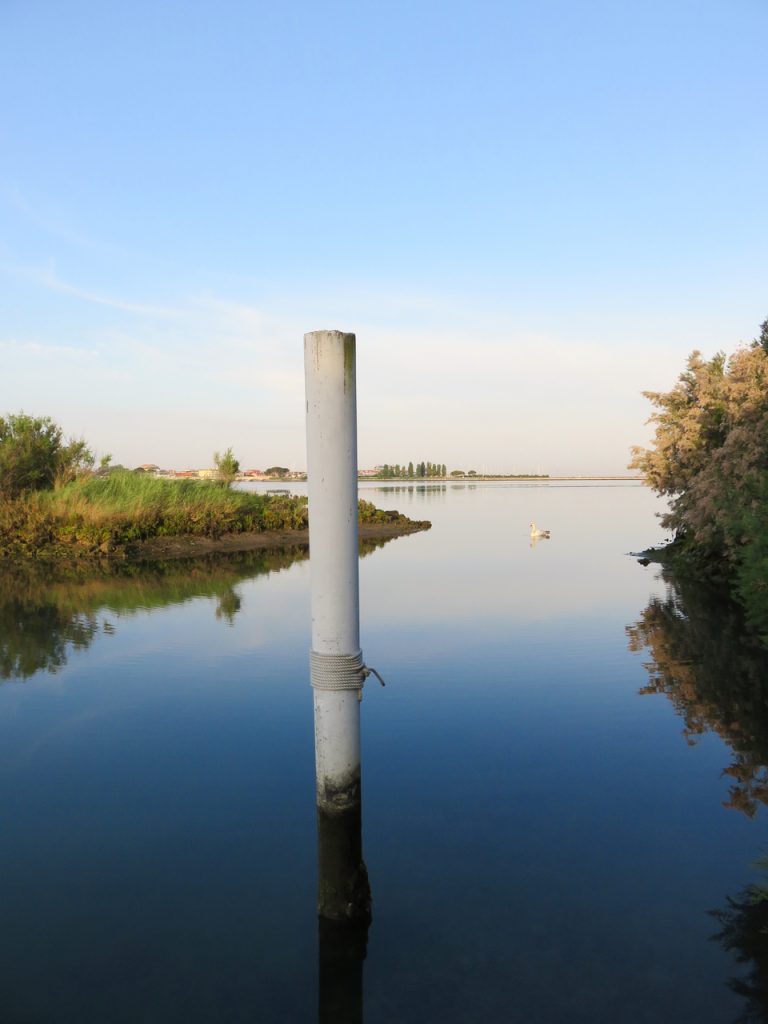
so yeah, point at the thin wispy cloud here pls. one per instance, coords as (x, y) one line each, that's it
(42, 216)
(50, 280)
(56, 284)
(46, 350)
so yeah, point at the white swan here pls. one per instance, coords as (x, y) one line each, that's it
(536, 533)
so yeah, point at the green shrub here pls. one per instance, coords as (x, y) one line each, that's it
(34, 455)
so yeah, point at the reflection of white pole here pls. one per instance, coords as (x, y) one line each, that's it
(337, 678)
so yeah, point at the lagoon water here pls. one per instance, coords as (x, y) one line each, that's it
(545, 843)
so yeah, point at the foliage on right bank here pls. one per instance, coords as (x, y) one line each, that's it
(709, 457)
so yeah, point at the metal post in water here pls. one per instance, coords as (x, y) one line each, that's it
(336, 661)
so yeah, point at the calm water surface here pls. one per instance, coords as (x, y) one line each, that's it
(561, 782)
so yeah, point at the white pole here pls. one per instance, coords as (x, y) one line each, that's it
(329, 365)
(336, 660)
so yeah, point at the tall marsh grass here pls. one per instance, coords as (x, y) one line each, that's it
(114, 510)
(106, 514)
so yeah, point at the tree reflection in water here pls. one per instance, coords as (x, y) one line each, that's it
(45, 616)
(744, 932)
(715, 673)
(40, 636)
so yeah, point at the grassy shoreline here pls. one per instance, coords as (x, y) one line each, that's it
(125, 515)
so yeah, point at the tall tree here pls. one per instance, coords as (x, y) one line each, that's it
(763, 339)
(708, 456)
(227, 467)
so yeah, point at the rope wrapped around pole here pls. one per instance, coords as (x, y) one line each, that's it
(339, 671)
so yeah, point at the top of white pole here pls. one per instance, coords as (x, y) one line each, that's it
(329, 369)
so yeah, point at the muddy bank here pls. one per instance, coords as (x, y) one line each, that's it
(190, 547)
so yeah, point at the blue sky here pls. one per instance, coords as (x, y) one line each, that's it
(527, 211)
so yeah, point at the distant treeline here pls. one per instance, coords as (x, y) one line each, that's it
(426, 470)
(413, 471)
